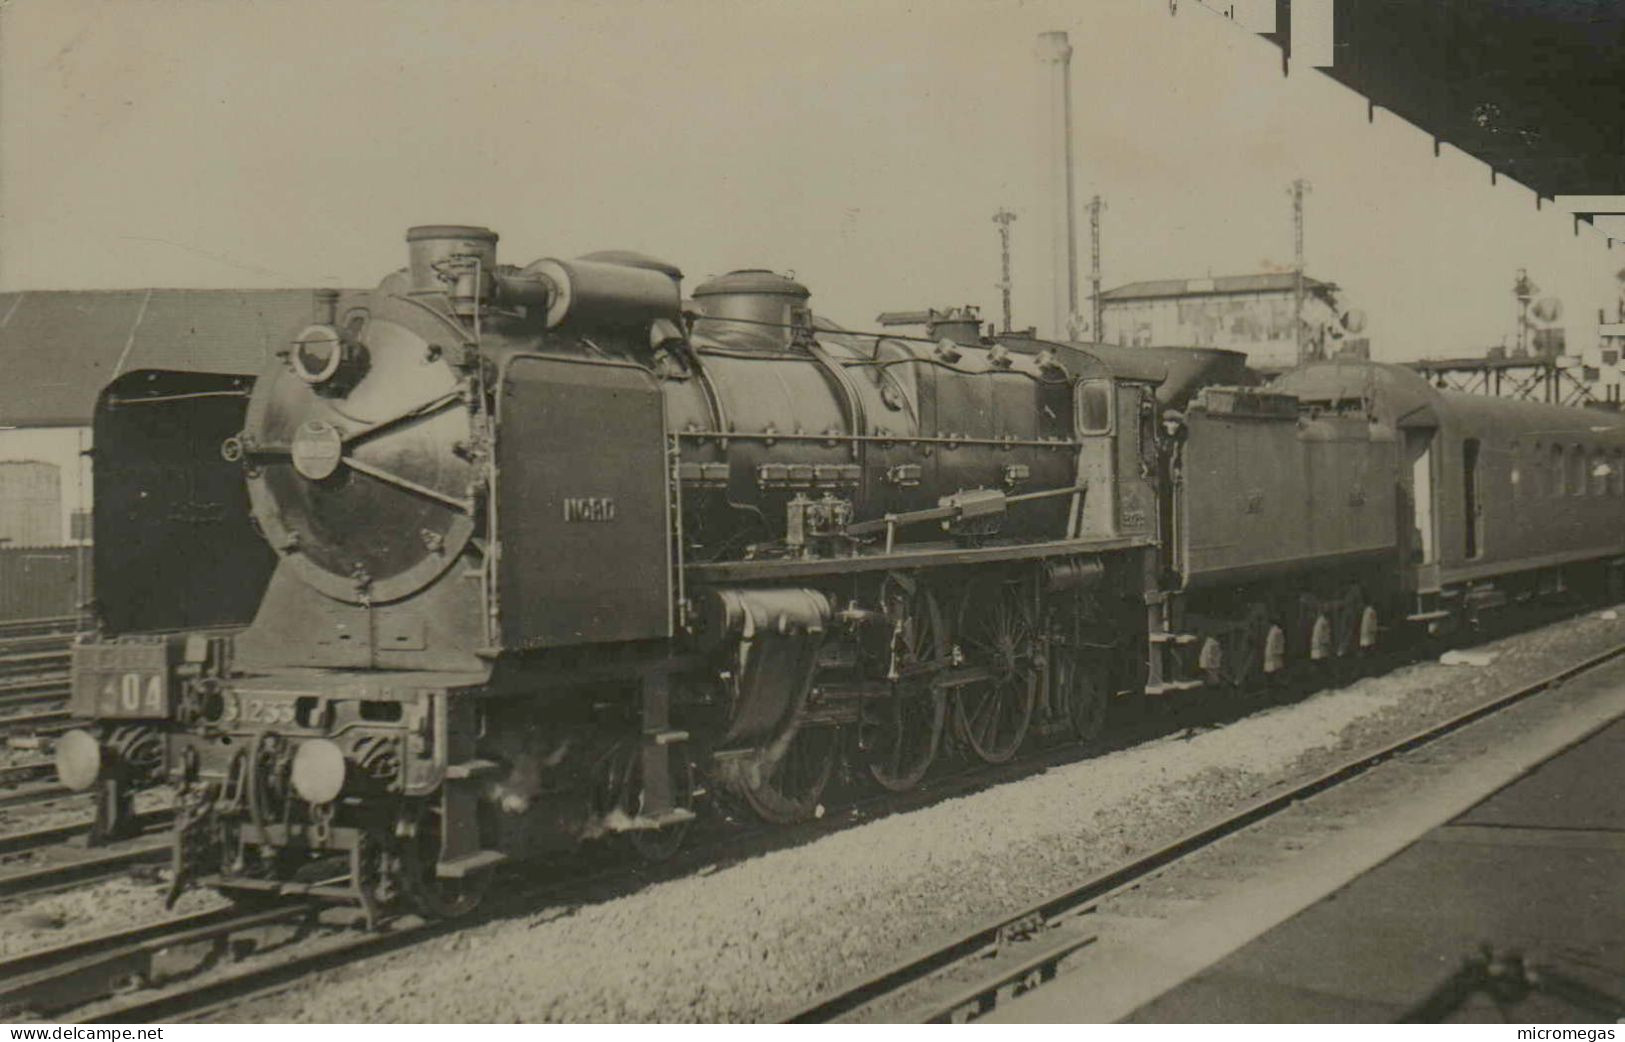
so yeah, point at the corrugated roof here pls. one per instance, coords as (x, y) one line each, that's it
(58, 348)
(1217, 286)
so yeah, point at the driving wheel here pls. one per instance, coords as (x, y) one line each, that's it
(899, 733)
(998, 634)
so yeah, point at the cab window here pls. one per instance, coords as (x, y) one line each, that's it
(1095, 407)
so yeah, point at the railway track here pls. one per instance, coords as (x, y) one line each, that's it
(51, 835)
(973, 1000)
(57, 979)
(39, 792)
(21, 773)
(48, 859)
(100, 990)
(41, 723)
(23, 784)
(95, 978)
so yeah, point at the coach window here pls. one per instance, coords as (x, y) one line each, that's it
(1554, 473)
(1577, 471)
(1095, 407)
(1616, 477)
(1599, 473)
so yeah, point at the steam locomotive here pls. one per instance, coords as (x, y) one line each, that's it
(494, 560)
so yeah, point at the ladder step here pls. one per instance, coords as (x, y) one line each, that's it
(471, 769)
(459, 868)
(666, 737)
(675, 816)
(1163, 637)
(1429, 616)
(1171, 686)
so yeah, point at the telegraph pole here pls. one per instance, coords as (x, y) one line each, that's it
(1096, 205)
(1003, 219)
(1297, 190)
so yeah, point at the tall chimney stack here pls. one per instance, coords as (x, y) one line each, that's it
(1055, 52)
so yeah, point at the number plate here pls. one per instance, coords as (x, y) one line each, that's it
(246, 709)
(133, 693)
(121, 680)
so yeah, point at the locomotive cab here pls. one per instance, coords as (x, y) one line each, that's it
(1118, 457)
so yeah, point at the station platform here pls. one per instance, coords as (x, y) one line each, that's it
(1511, 908)
(1534, 874)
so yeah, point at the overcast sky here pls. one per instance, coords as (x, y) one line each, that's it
(862, 145)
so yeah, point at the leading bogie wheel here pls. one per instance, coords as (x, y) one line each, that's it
(623, 797)
(417, 839)
(997, 633)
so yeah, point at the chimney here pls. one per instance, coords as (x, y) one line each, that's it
(1055, 54)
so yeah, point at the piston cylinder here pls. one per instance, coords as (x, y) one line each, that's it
(729, 612)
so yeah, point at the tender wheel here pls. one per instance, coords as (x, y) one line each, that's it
(899, 734)
(1347, 615)
(998, 632)
(1315, 631)
(1245, 648)
(790, 791)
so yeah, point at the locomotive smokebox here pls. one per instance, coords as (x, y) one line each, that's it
(752, 310)
(430, 246)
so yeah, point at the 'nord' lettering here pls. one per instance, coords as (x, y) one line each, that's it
(589, 508)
